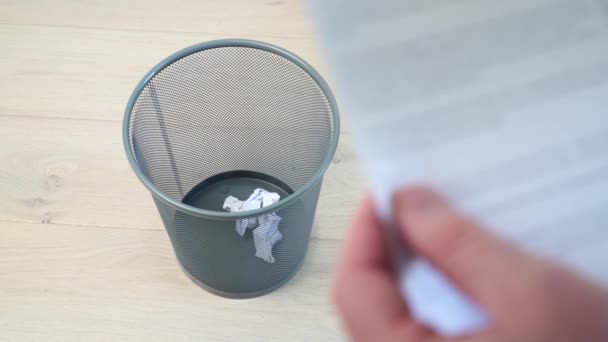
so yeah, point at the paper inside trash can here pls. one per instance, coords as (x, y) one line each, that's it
(265, 227)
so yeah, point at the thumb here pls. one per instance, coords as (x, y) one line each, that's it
(485, 266)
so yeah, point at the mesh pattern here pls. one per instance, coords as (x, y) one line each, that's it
(233, 110)
(214, 254)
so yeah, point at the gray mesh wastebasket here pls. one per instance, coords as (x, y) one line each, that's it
(224, 118)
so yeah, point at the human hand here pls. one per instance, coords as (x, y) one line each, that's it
(528, 298)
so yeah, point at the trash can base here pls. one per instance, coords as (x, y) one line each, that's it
(246, 295)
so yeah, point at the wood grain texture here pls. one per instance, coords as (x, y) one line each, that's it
(77, 72)
(270, 18)
(83, 252)
(75, 172)
(65, 282)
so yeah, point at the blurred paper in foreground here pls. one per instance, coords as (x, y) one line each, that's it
(502, 105)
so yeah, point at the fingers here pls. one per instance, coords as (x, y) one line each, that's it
(531, 299)
(479, 262)
(365, 291)
(365, 246)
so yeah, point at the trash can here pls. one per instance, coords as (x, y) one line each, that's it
(224, 118)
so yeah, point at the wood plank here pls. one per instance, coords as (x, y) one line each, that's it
(74, 171)
(277, 18)
(96, 283)
(90, 73)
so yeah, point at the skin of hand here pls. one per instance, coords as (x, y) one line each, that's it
(528, 298)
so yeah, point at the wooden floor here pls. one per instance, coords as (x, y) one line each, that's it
(83, 253)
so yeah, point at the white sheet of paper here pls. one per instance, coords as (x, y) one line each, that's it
(502, 105)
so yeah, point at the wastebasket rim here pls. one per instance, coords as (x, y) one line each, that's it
(222, 43)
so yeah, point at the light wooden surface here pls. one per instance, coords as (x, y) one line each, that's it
(83, 253)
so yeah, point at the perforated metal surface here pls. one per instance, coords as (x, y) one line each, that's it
(228, 106)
